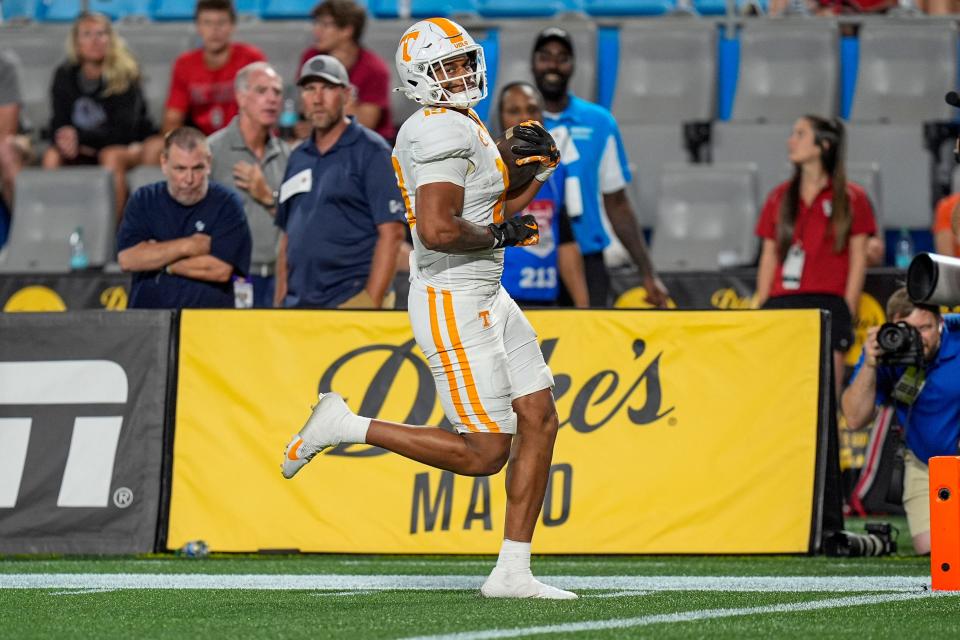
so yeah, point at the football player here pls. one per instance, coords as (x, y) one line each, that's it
(494, 384)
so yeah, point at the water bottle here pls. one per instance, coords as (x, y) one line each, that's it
(288, 119)
(904, 253)
(78, 253)
(194, 549)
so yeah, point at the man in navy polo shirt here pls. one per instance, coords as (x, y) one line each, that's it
(927, 401)
(596, 166)
(184, 238)
(340, 208)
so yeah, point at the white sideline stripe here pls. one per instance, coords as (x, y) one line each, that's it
(336, 582)
(619, 594)
(80, 592)
(683, 616)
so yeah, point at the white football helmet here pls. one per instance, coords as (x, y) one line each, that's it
(423, 49)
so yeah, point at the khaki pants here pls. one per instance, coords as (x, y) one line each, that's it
(916, 494)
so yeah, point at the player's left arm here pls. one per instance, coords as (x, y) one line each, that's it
(540, 148)
(384, 265)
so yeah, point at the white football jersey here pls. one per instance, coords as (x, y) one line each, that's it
(429, 137)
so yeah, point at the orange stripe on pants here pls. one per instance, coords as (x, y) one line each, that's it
(465, 365)
(445, 359)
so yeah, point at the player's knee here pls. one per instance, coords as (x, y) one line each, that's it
(487, 462)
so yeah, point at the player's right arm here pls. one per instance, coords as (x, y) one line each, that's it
(439, 225)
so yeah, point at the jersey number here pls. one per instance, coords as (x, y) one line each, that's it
(538, 278)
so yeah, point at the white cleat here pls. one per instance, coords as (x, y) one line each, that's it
(520, 584)
(322, 430)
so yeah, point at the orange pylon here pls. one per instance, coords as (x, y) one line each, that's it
(945, 523)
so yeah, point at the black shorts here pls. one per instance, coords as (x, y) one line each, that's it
(841, 323)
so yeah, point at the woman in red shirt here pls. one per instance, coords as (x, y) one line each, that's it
(814, 229)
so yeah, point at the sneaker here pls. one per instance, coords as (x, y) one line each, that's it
(520, 584)
(322, 430)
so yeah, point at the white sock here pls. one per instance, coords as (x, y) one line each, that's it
(514, 556)
(355, 429)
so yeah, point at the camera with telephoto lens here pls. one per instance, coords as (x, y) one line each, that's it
(879, 540)
(900, 344)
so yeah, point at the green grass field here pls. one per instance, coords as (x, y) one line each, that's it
(162, 596)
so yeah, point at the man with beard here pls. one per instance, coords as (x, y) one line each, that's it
(926, 399)
(339, 205)
(184, 238)
(248, 156)
(201, 85)
(596, 165)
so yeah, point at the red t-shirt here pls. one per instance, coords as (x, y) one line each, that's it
(206, 95)
(823, 270)
(371, 77)
(942, 219)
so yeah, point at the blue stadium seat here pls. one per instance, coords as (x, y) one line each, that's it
(287, 9)
(527, 8)
(421, 8)
(68, 10)
(183, 9)
(20, 9)
(627, 7)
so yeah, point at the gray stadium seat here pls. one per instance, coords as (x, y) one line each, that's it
(142, 176)
(649, 147)
(282, 42)
(763, 144)
(705, 217)
(40, 49)
(516, 50)
(788, 68)
(905, 172)
(867, 175)
(50, 206)
(667, 72)
(156, 46)
(905, 69)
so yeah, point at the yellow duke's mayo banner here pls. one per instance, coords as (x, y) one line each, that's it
(681, 432)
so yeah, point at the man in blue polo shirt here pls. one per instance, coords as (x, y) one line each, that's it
(597, 169)
(927, 401)
(184, 238)
(339, 206)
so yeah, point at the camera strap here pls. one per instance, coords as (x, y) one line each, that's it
(909, 386)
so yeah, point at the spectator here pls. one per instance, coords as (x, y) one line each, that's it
(597, 170)
(814, 229)
(14, 148)
(530, 273)
(99, 112)
(337, 30)
(201, 86)
(184, 238)
(926, 399)
(946, 226)
(248, 156)
(340, 208)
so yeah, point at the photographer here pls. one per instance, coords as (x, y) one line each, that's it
(926, 394)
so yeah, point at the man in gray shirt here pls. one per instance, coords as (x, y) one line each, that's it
(249, 158)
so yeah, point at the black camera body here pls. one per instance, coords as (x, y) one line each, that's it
(900, 344)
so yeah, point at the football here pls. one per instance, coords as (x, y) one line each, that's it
(520, 176)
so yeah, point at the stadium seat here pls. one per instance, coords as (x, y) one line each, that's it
(526, 9)
(50, 206)
(382, 37)
(515, 43)
(762, 144)
(420, 9)
(39, 49)
(867, 175)
(627, 7)
(905, 69)
(142, 176)
(905, 170)
(788, 67)
(666, 72)
(282, 42)
(649, 147)
(19, 10)
(705, 217)
(156, 46)
(68, 10)
(287, 9)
